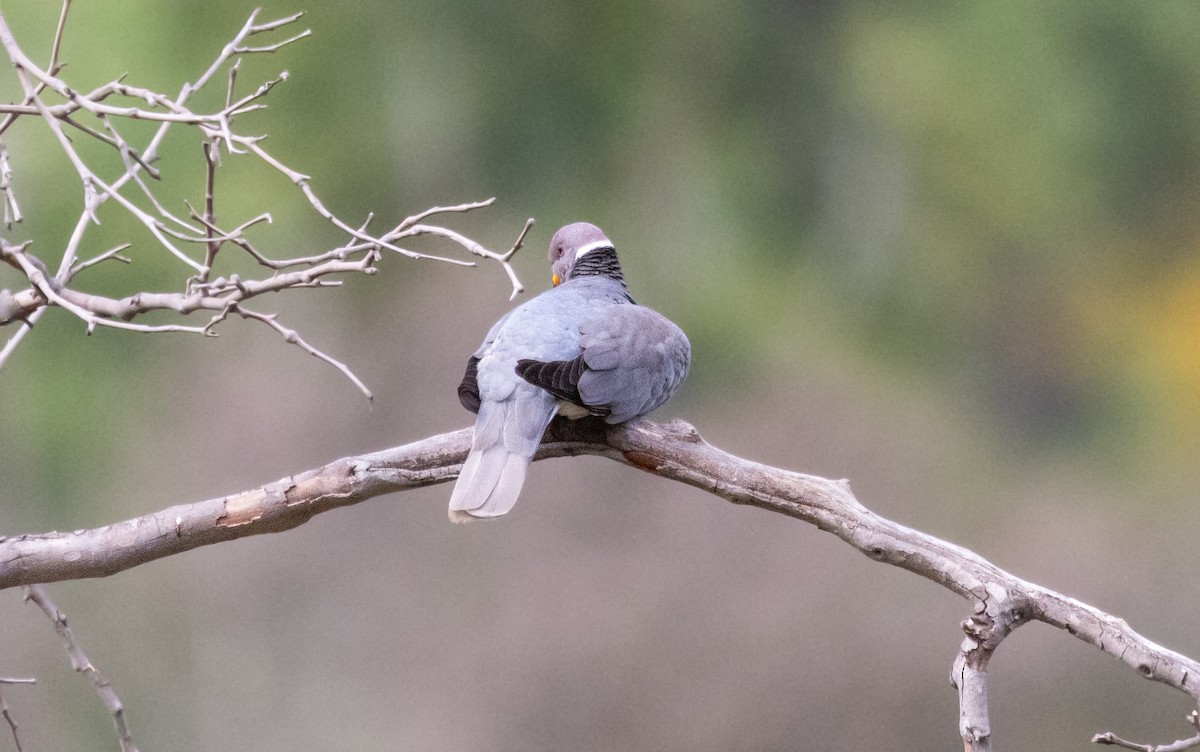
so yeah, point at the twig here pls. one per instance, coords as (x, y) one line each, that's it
(221, 295)
(1109, 738)
(112, 253)
(7, 712)
(457, 208)
(8, 717)
(210, 216)
(302, 181)
(54, 67)
(12, 212)
(292, 337)
(479, 250)
(11, 345)
(93, 185)
(80, 663)
(59, 30)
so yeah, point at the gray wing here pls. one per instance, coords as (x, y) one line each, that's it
(511, 414)
(631, 360)
(636, 359)
(468, 388)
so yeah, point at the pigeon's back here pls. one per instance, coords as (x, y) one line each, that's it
(583, 344)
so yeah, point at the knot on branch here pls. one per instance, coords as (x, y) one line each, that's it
(980, 627)
(682, 431)
(10, 309)
(998, 611)
(672, 430)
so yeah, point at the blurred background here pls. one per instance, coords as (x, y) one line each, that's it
(946, 251)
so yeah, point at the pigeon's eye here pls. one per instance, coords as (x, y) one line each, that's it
(559, 251)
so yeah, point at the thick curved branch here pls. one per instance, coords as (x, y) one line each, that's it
(1000, 601)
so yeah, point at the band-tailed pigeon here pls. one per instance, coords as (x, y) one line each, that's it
(581, 348)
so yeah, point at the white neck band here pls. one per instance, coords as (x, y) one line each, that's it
(594, 245)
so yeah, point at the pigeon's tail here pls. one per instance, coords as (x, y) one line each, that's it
(507, 434)
(489, 484)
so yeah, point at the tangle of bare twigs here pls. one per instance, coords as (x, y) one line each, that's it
(196, 240)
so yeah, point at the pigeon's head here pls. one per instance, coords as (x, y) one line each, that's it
(572, 243)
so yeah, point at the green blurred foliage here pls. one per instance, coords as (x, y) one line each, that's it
(961, 187)
(947, 250)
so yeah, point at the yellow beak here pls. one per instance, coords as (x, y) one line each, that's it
(556, 280)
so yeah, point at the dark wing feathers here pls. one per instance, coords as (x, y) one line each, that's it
(559, 377)
(468, 390)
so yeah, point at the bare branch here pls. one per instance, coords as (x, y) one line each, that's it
(7, 712)
(119, 99)
(90, 181)
(1112, 739)
(414, 219)
(12, 212)
(1109, 738)
(302, 181)
(210, 216)
(129, 156)
(8, 717)
(1001, 602)
(272, 25)
(112, 253)
(11, 345)
(969, 677)
(59, 30)
(478, 249)
(273, 47)
(292, 337)
(80, 663)
(54, 67)
(19, 306)
(80, 304)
